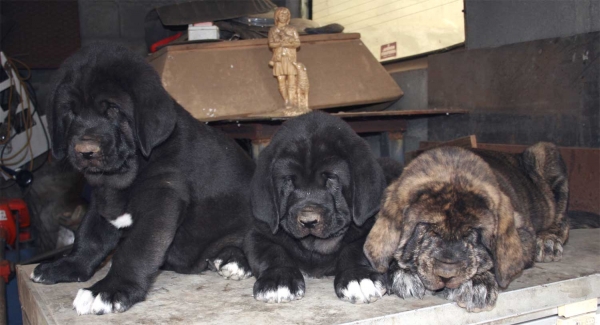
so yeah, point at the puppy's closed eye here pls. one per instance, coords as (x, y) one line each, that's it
(329, 176)
(112, 110)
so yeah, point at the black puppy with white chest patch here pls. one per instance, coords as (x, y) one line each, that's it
(168, 191)
(315, 189)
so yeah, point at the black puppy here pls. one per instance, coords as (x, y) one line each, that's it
(168, 190)
(314, 190)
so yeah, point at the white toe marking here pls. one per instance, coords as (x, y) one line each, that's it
(217, 263)
(365, 292)
(282, 294)
(234, 271)
(101, 306)
(122, 221)
(35, 278)
(118, 307)
(83, 302)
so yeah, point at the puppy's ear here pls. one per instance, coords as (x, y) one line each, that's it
(154, 113)
(57, 112)
(508, 250)
(368, 184)
(264, 198)
(382, 242)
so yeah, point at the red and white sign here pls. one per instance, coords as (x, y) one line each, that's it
(388, 51)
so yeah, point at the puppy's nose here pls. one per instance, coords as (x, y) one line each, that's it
(446, 270)
(309, 218)
(88, 149)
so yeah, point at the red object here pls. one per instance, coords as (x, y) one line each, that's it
(164, 42)
(9, 210)
(5, 270)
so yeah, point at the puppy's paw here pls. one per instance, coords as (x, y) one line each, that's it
(405, 283)
(476, 295)
(231, 264)
(62, 270)
(279, 285)
(102, 298)
(360, 285)
(232, 270)
(548, 248)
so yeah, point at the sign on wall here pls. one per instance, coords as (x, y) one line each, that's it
(394, 29)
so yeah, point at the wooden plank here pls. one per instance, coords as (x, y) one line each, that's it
(466, 142)
(578, 308)
(261, 42)
(414, 64)
(255, 131)
(346, 115)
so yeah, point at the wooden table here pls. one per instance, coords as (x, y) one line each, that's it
(537, 294)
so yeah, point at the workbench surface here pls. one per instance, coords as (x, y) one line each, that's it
(209, 299)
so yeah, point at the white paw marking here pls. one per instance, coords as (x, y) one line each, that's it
(282, 294)
(217, 263)
(118, 307)
(233, 271)
(86, 303)
(83, 302)
(34, 278)
(365, 292)
(101, 307)
(123, 221)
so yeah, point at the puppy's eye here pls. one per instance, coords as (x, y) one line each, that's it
(329, 176)
(112, 109)
(289, 178)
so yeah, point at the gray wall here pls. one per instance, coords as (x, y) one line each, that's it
(491, 23)
(116, 20)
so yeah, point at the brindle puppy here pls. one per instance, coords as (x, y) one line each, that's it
(467, 222)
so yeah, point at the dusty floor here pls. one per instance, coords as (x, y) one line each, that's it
(209, 299)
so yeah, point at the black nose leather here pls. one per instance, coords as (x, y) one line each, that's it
(309, 224)
(309, 217)
(88, 149)
(446, 270)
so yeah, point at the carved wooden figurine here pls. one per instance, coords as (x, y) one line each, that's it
(291, 75)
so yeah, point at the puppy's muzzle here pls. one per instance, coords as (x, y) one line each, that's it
(309, 217)
(88, 149)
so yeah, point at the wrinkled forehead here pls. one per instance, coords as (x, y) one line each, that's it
(94, 101)
(451, 219)
(310, 162)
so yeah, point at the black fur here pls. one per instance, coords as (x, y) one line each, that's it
(184, 183)
(315, 189)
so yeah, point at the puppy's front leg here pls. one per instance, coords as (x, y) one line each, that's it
(477, 294)
(138, 256)
(94, 239)
(278, 278)
(405, 282)
(356, 280)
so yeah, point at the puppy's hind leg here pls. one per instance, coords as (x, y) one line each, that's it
(548, 170)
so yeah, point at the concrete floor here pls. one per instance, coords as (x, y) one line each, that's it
(209, 299)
